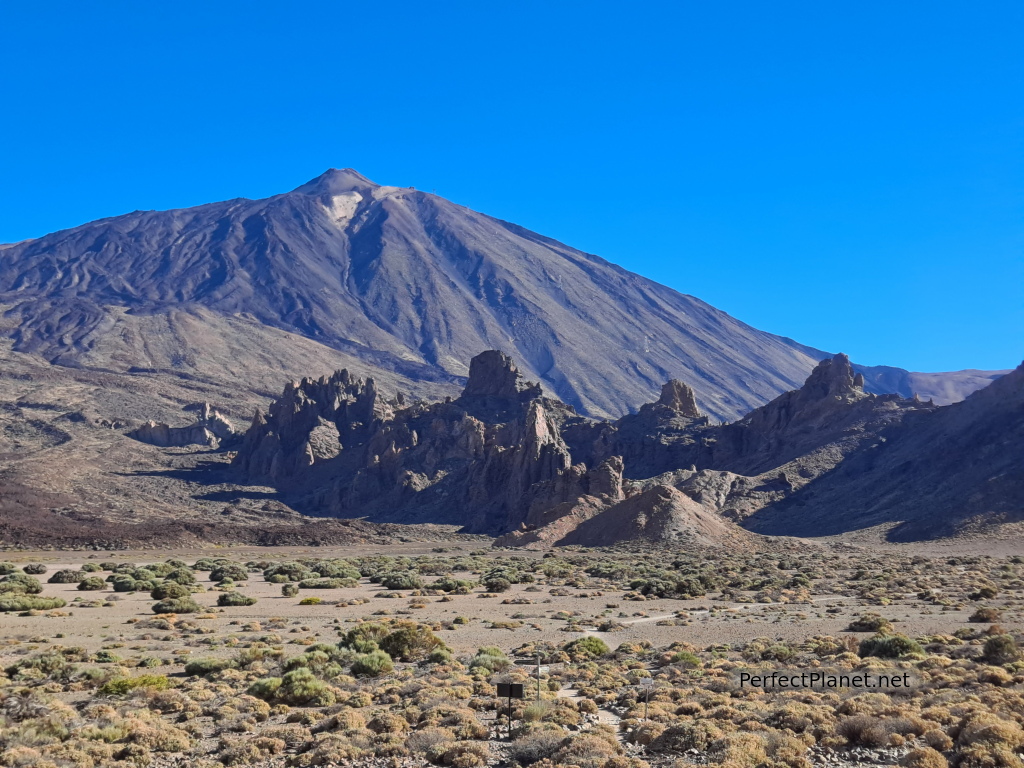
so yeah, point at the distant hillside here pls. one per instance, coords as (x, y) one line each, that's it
(405, 285)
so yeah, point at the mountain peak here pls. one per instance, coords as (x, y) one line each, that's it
(335, 181)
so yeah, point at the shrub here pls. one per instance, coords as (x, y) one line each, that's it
(497, 584)
(289, 590)
(29, 603)
(985, 616)
(20, 584)
(372, 664)
(265, 688)
(368, 632)
(177, 605)
(535, 746)
(1000, 649)
(686, 659)
(404, 580)
(170, 589)
(123, 583)
(181, 576)
(91, 568)
(864, 731)
(924, 757)
(310, 601)
(586, 648)
(461, 754)
(232, 571)
(121, 686)
(234, 598)
(92, 584)
(301, 687)
(284, 572)
(586, 750)
(490, 658)
(35, 569)
(208, 666)
(685, 736)
(870, 622)
(66, 577)
(385, 722)
(889, 647)
(332, 583)
(412, 642)
(451, 584)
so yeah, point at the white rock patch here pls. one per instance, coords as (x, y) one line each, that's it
(343, 207)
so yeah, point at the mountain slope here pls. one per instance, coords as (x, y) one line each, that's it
(937, 473)
(405, 282)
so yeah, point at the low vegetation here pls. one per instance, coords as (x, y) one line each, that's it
(205, 673)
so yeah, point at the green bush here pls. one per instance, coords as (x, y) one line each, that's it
(283, 572)
(310, 601)
(233, 571)
(490, 658)
(265, 688)
(181, 576)
(406, 580)
(687, 659)
(300, 686)
(1001, 649)
(328, 583)
(234, 598)
(29, 603)
(367, 632)
(121, 686)
(336, 569)
(20, 584)
(451, 584)
(66, 577)
(91, 568)
(208, 666)
(35, 569)
(177, 605)
(586, 648)
(170, 590)
(289, 590)
(440, 656)
(92, 584)
(124, 584)
(372, 664)
(889, 647)
(412, 642)
(497, 584)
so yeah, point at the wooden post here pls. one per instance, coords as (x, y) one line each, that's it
(538, 677)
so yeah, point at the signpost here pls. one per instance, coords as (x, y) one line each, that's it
(646, 683)
(511, 691)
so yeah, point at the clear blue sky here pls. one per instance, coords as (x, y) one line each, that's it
(847, 174)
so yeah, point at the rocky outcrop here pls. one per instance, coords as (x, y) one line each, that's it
(296, 432)
(504, 459)
(679, 398)
(211, 429)
(828, 418)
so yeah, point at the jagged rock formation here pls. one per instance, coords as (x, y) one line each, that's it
(504, 459)
(389, 282)
(211, 429)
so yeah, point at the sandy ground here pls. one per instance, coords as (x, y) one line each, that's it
(708, 622)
